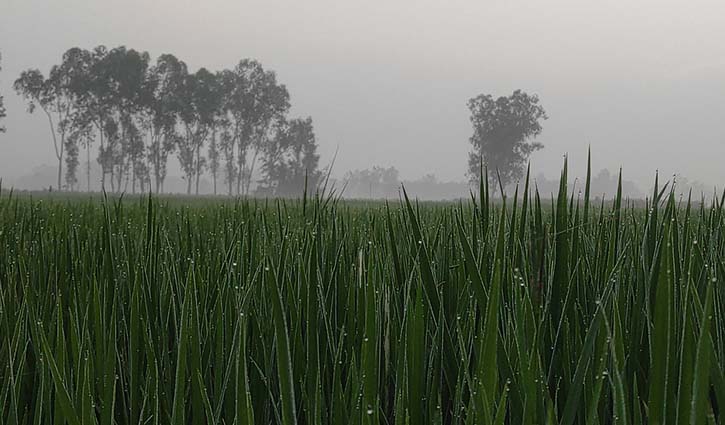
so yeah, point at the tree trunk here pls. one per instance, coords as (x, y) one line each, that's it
(60, 167)
(113, 182)
(241, 163)
(123, 173)
(251, 170)
(133, 180)
(157, 171)
(88, 165)
(239, 179)
(198, 167)
(157, 163)
(100, 149)
(230, 177)
(112, 177)
(229, 163)
(58, 153)
(60, 159)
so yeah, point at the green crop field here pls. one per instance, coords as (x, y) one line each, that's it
(525, 310)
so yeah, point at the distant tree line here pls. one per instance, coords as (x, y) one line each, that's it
(385, 183)
(221, 124)
(374, 183)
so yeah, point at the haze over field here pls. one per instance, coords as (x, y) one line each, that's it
(276, 212)
(387, 82)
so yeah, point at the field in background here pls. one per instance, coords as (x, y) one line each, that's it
(321, 311)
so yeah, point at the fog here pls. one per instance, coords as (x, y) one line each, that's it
(386, 83)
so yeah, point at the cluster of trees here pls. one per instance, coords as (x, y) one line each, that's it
(138, 113)
(227, 125)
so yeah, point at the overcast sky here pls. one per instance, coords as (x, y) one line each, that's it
(386, 82)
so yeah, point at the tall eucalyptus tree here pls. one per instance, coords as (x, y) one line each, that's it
(54, 95)
(166, 78)
(94, 96)
(254, 102)
(200, 102)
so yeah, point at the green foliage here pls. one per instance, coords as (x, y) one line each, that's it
(165, 310)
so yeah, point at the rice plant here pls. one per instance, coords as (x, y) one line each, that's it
(320, 311)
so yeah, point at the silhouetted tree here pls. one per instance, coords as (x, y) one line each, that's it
(166, 80)
(76, 63)
(3, 113)
(54, 97)
(94, 102)
(503, 130)
(254, 101)
(290, 158)
(200, 100)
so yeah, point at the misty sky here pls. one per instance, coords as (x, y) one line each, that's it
(386, 82)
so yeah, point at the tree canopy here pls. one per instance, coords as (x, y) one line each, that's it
(503, 133)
